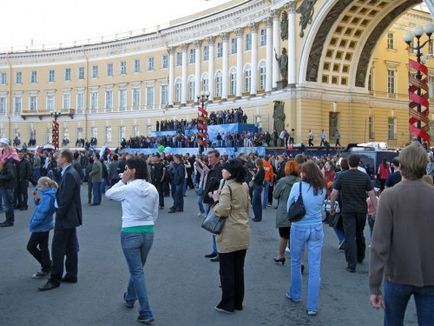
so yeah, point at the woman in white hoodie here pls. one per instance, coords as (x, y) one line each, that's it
(139, 200)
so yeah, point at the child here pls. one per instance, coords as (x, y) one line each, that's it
(371, 211)
(41, 223)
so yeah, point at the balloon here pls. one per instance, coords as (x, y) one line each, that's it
(168, 150)
(161, 148)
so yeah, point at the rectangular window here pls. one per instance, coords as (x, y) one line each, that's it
(123, 68)
(17, 104)
(51, 76)
(136, 98)
(150, 63)
(149, 97)
(430, 48)
(263, 34)
(65, 132)
(2, 104)
(94, 102)
(219, 49)
(431, 86)
(19, 77)
(66, 101)
(391, 123)
(390, 40)
(81, 73)
(79, 133)
(247, 80)
(135, 130)
(3, 78)
(192, 55)
(191, 91)
(371, 127)
(164, 95)
(33, 106)
(80, 102)
(50, 103)
(391, 81)
(218, 85)
(233, 45)
(68, 74)
(95, 71)
(94, 132)
(108, 134)
(164, 61)
(122, 132)
(110, 69)
(205, 53)
(178, 58)
(137, 65)
(34, 77)
(108, 100)
(248, 41)
(122, 99)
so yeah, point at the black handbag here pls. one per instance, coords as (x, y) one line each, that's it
(214, 223)
(297, 210)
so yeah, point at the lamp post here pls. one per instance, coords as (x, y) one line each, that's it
(419, 105)
(202, 122)
(55, 129)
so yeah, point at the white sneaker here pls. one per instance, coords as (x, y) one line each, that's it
(287, 250)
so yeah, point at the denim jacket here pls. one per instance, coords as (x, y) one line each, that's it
(42, 218)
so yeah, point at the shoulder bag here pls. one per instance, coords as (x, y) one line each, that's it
(214, 223)
(297, 210)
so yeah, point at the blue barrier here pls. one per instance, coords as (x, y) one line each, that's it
(230, 151)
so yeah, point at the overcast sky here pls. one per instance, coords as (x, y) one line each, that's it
(54, 21)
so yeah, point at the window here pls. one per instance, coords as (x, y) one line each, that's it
(48, 135)
(390, 40)
(51, 76)
(79, 133)
(108, 100)
(178, 58)
(164, 95)
(430, 47)
(371, 127)
(431, 86)
(149, 97)
(247, 79)
(33, 106)
(233, 81)
(218, 84)
(263, 41)
(136, 98)
(66, 101)
(34, 77)
(2, 132)
(65, 132)
(248, 41)
(391, 128)
(219, 49)
(178, 87)
(205, 83)
(135, 130)
(122, 132)
(164, 61)
(2, 104)
(191, 90)
(150, 63)
(17, 104)
(233, 45)
(3, 78)
(108, 134)
(205, 53)
(94, 132)
(50, 103)
(19, 77)
(110, 69)
(122, 99)
(137, 65)
(370, 81)
(67, 73)
(94, 101)
(391, 81)
(192, 55)
(80, 102)
(123, 67)
(81, 73)
(95, 71)
(262, 75)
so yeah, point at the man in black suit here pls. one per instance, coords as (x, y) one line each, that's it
(68, 217)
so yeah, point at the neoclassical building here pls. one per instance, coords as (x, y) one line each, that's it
(347, 70)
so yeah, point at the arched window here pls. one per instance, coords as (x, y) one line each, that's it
(178, 90)
(233, 81)
(191, 89)
(247, 78)
(205, 83)
(262, 75)
(218, 84)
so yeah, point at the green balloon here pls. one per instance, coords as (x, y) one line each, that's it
(161, 148)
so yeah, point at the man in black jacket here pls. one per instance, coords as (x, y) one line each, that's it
(24, 175)
(7, 184)
(158, 174)
(178, 176)
(68, 218)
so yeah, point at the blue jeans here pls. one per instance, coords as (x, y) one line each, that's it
(36, 174)
(396, 297)
(178, 200)
(256, 202)
(136, 247)
(266, 190)
(96, 192)
(340, 234)
(199, 198)
(313, 237)
(8, 198)
(1, 202)
(184, 187)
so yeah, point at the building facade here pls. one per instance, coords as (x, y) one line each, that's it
(120, 88)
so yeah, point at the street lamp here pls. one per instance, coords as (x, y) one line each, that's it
(419, 116)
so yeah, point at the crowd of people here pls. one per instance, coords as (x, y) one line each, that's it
(334, 190)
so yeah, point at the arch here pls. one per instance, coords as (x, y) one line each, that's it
(247, 66)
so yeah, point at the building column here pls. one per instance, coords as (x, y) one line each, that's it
(197, 46)
(184, 76)
(225, 68)
(269, 55)
(254, 59)
(171, 52)
(239, 92)
(210, 68)
(292, 63)
(276, 46)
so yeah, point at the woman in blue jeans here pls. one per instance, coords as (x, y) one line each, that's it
(139, 200)
(308, 232)
(258, 185)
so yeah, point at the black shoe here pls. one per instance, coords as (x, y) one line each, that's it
(351, 270)
(69, 279)
(23, 208)
(144, 320)
(50, 285)
(360, 260)
(217, 308)
(171, 211)
(215, 259)
(6, 224)
(240, 308)
(211, 255)
(280, 260)
(40, 275)
(256, 220)
(180, 210)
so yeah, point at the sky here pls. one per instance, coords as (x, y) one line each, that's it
(51, 22)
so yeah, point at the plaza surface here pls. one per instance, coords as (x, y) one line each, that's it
(183, 286)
